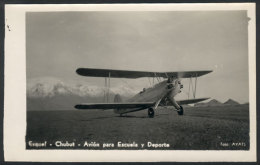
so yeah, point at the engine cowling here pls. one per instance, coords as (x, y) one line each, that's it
(176, 87)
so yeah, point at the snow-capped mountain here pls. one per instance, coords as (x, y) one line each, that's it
(55, 94)
(49, 87)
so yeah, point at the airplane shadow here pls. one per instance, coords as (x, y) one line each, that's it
(164, 114)
(98, 118)
(107, 117)
(130, 116)
(124, 116)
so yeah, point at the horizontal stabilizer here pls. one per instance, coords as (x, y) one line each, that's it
(114, 105)
(191, 101)
(91, 72)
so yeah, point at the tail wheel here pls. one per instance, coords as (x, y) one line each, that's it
(180, 111)
(150, 112)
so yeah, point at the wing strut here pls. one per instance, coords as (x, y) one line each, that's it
(193, 89)
(107, 88)
(105, 93)
(149, 81)
(157, 77)
(194, 94)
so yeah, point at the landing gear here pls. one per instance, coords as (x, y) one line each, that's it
(150, 112)
(180, 111)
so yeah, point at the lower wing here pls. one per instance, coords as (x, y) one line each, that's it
(141, 105)
(105, 106)
(191, 101)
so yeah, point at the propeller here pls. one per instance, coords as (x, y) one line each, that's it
(180, 75)
(174, 83)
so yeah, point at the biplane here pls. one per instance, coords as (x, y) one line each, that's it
(160, 94)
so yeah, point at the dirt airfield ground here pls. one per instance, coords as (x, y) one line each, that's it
(201, 128)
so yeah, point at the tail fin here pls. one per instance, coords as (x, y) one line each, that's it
(117, 98)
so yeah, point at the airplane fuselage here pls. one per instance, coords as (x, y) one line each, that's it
(152, 94)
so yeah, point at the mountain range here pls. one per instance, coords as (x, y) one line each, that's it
(215, 102)
(230, 102)
(54, 94)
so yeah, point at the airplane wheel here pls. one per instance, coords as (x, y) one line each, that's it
(180, 111)
(150, 112)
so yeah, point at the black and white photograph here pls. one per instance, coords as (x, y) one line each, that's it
(158, 78)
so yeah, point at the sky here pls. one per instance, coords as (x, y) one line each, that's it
(57, 43)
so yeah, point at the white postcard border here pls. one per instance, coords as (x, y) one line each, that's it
(15, 91)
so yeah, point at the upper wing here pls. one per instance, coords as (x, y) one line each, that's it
(137, 74)
(114, 105)
(191, 101)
